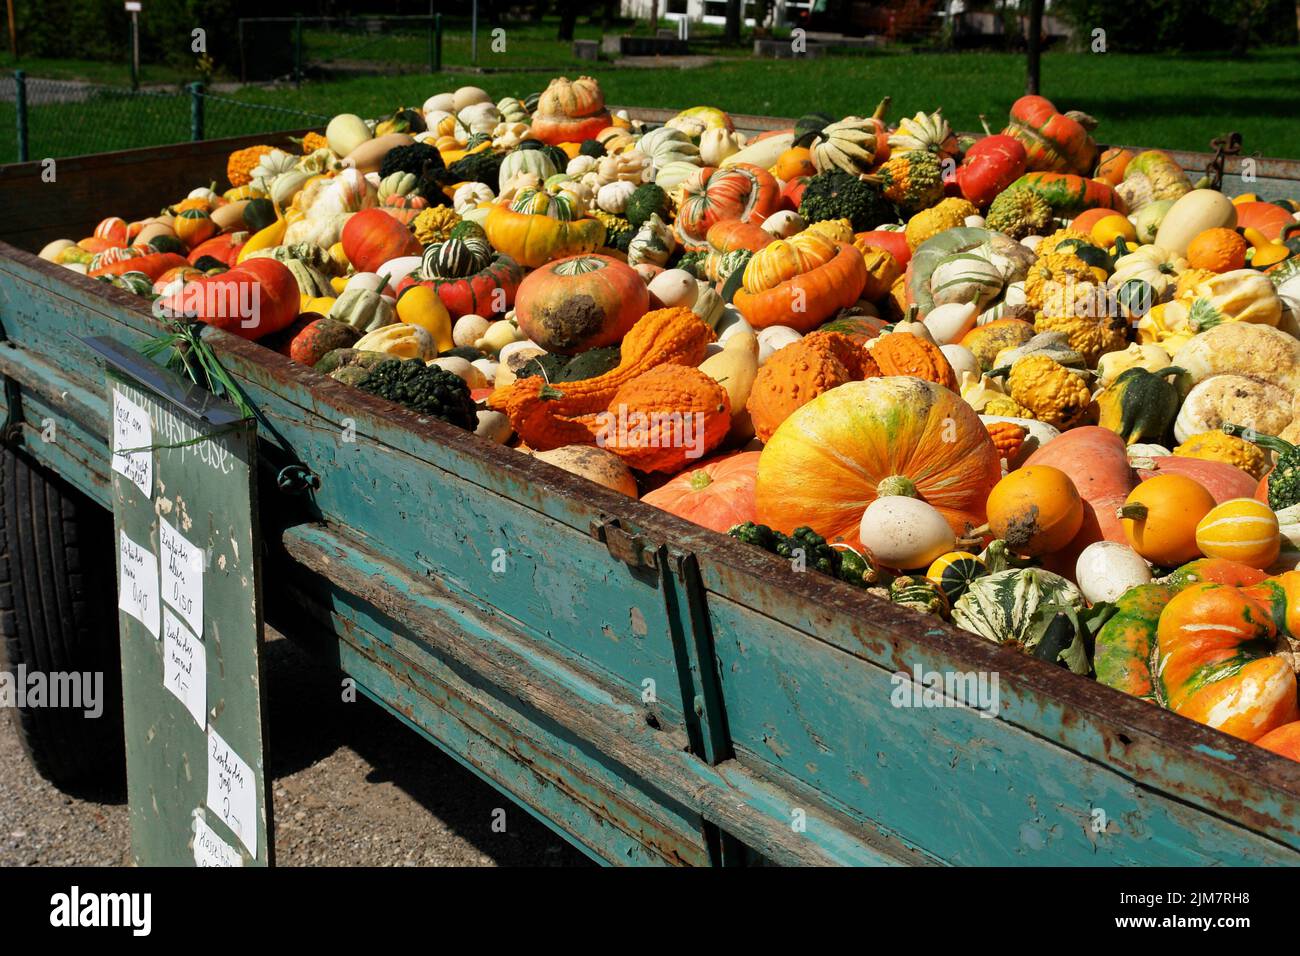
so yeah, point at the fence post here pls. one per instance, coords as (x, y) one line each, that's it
(196, 111)
(437, 43)
(297, 51)
(20, 110)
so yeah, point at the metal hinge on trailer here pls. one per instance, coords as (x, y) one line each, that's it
(678, 574)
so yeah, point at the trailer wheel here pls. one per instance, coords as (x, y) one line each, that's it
(58, 615)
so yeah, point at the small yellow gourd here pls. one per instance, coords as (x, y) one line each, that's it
(1242, 530)
(420, 307)
(1050, 391)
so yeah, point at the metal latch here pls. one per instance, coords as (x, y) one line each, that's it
(626, 546)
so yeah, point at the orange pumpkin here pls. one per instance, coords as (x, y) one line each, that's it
(113, 229)
(717, 494)
(1160, 517)
(1284, 740)
(1036, 510)
(1217, 659)
(579, 303)
(795, 161)
(1269, 218)
(1219, 250)
(808, 299)
(570, 111)
(824, 463)
(1111, 165)
(194, 226)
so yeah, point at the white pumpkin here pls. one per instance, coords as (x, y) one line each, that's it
(461, 368)
(468, 96)
(774, 338)
(613, 197)
(1106, 569)
(902, 532)
(470, 196)
(1233, 398)
(439, 103)
(469, 329)
(675, 287)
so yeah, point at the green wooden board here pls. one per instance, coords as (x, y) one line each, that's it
(188, 556)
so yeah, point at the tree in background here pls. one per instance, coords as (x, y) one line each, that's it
(1148, 26)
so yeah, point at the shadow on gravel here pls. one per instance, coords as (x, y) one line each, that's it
(308, 721)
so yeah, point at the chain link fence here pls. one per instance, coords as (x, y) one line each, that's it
(58, 118)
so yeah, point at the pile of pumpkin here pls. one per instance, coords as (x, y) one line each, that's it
(1039, 388)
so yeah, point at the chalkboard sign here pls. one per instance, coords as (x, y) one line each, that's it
(189, 609)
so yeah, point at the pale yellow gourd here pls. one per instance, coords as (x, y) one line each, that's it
(400, 341)
(734, 368)
(1150, 357)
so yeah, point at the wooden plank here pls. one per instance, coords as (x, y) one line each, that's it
(613, 727)
(65, 198)
(965, 786)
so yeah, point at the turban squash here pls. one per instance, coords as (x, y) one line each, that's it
(1217, 655)
(805, 299)
(570, 111)
(825, 462)
(1053, 141)
(710, 196)
(490, 290)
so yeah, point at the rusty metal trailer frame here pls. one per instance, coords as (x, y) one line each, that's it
(653, 691)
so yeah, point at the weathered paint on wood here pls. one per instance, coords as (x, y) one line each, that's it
(206, 491)
(394, 554)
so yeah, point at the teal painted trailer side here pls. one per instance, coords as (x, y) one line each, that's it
(657, 693)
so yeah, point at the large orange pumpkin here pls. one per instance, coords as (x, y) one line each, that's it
(807, 299)
(579, 303)
(710, 195)
(718, 494)
(824, 463)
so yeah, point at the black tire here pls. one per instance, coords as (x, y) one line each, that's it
(58, 615)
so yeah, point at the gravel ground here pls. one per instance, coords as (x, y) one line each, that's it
(352, 787)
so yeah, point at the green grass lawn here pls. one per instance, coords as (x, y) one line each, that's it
(1179, 102)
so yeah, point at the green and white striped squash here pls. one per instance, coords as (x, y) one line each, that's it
(920, 594)
(535, 161)
(1000, 607)
(963, 278)
(849, 145)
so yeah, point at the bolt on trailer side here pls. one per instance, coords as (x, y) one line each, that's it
(657, 693)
